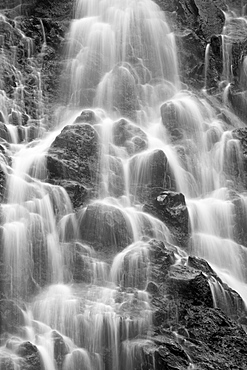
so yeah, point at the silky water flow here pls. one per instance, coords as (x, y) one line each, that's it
(122, 64)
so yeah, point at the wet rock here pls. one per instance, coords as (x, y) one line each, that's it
(124, 100)
(116, 182)
(214, 70)
(170, 355)
(31, 359)
(81, 267)
(4, 132)
(191, 55)
(170, 207)
(237, 100)
(200, 264)
(7, 362)
(87, 116)
(149, 170)
(162, 258)
(130, 136)
(170, 119)
(188, 284)
(11, 316)
(212, 337)
(40, 273)
(77, 193)
(105, 227)
(73, 156)
(60, 349)
(241, 135)
(195, 22)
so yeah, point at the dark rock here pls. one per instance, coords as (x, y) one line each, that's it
(240, 163)
(105, 227)
(237, 100)
(149, 170)
(170, 207)
(31, 359)
(162, 258)
(60, 349)
(214, 67)
(170, 355)
(74, 157)
(4, 134)
(78, 194)
(200, 264)
(188, 284)
(191, 55)
(196, 21)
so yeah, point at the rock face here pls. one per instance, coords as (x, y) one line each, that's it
(241, 135)
(196, 22)
(73, 161)
(170, 207)
(187, 327)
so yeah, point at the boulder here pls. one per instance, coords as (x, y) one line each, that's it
(149, 170)
(170, 207)
(87, 116)
(60, 349)
(74, 158)
(31, 359)
(105, 227)
(185, 283)
(130, 136)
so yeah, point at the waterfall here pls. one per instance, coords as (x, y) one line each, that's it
(122, 65)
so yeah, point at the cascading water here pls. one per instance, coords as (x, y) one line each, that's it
(122, 65)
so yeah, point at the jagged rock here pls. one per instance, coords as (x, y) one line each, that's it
(196, 21)
(214, 64)
(87, 116)
(241, 135)
(105, 227)
(73, 156)
(186, 283)
(212, 337)
(170, 355)
(128, 135)
(170, 207)
(31, 359)
(78, 193)
(191, 56)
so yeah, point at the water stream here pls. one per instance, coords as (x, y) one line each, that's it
(122, 63)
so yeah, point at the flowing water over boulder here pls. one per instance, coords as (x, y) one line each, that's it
(123, 238)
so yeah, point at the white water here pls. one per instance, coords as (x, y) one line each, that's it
(122, 62)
